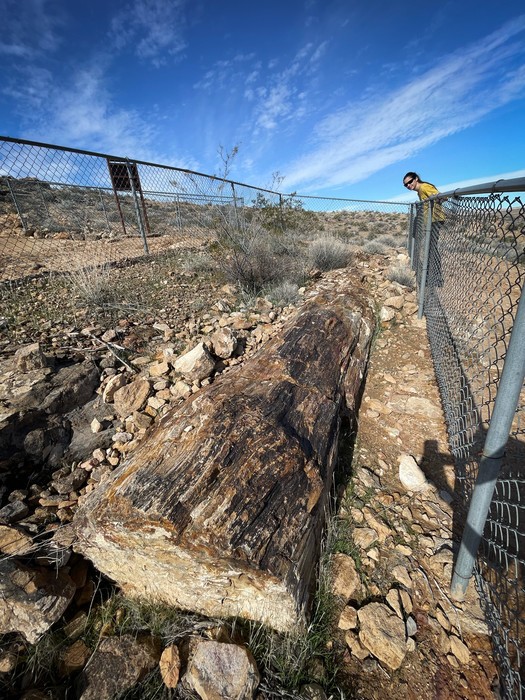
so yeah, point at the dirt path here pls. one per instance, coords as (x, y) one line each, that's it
(400, 415)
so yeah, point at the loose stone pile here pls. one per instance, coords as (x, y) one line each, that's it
(403, 635)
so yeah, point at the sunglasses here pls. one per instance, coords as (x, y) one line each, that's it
(409, 182)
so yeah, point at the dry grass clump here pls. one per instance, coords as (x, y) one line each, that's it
(197, 262)
(328, 253)
(260, 264)
(402, 275)
(284, 293)
(389, 241)
(94, 285)
(375, 247)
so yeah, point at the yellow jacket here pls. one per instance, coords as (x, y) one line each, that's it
(425, 191)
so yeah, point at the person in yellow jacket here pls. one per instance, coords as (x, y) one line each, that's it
(424, 190)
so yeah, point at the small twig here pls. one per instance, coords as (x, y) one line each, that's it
(110, 347)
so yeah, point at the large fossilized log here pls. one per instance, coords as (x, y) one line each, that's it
(220, 510)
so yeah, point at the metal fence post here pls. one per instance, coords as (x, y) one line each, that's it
(137, 209)
(505, 405)
(237, 222)
(104, 209)
(43, 198)
(426, 253)
(410, 235)
(11, 190)
(179, 218)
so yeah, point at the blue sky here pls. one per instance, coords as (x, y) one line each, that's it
(339, 97)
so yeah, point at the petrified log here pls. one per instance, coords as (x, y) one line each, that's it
(220, 510)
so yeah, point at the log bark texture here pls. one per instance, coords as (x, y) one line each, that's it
(220, 510)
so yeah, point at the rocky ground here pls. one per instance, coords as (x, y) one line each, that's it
(396, 631)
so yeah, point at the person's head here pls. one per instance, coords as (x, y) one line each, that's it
(411, 181)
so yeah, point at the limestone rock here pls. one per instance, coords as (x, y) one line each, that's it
(114, 384)
(169, 665)
(396, 302)
(383, 634)
(364, 536)
(386, 314)
(348, 618)
(355, 646)
(131, 397)
(411, 475)
(195, 365)
(345, 579)
(116, 665)
(219, 671)
(459, 649)
(30, 357)
(401, 574)
(420, 406)
(224, 342)
(32, 599)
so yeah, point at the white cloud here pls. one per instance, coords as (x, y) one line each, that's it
(82, 113)
(285, 96)
(153, 27)
(29, 28)
(457, 93)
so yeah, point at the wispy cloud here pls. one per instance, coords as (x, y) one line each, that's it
(153, 28)
(458, 92)
(82, 112)
(285, 94)
(29, 29)
(229, 73)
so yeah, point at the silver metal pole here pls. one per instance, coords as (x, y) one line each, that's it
(423, 281)
(43, 198)
(411, 234)
(505, 405)
(24, 226)
(235, 207)
(104, 209)
(137, 209)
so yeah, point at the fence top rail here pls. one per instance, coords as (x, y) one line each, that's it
(516, 184)
(106, 156)
(347, 199)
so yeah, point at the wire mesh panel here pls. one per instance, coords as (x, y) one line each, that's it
(65, 211)
(474, 280)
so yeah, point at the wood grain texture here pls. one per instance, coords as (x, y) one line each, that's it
(220, 510)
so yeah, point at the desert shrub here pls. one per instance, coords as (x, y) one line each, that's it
(328, 253)
(94, 285)
(198, 262)
(389, 241)
(283, 293)
(283, 214)
(375, 247)
(402, 275)
(255, 265)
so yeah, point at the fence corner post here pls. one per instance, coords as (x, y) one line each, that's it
(426, 255)
(505, 405)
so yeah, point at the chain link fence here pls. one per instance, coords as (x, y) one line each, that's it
(469, 256)
(65, 213)
(61, 208)
(70, 219)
